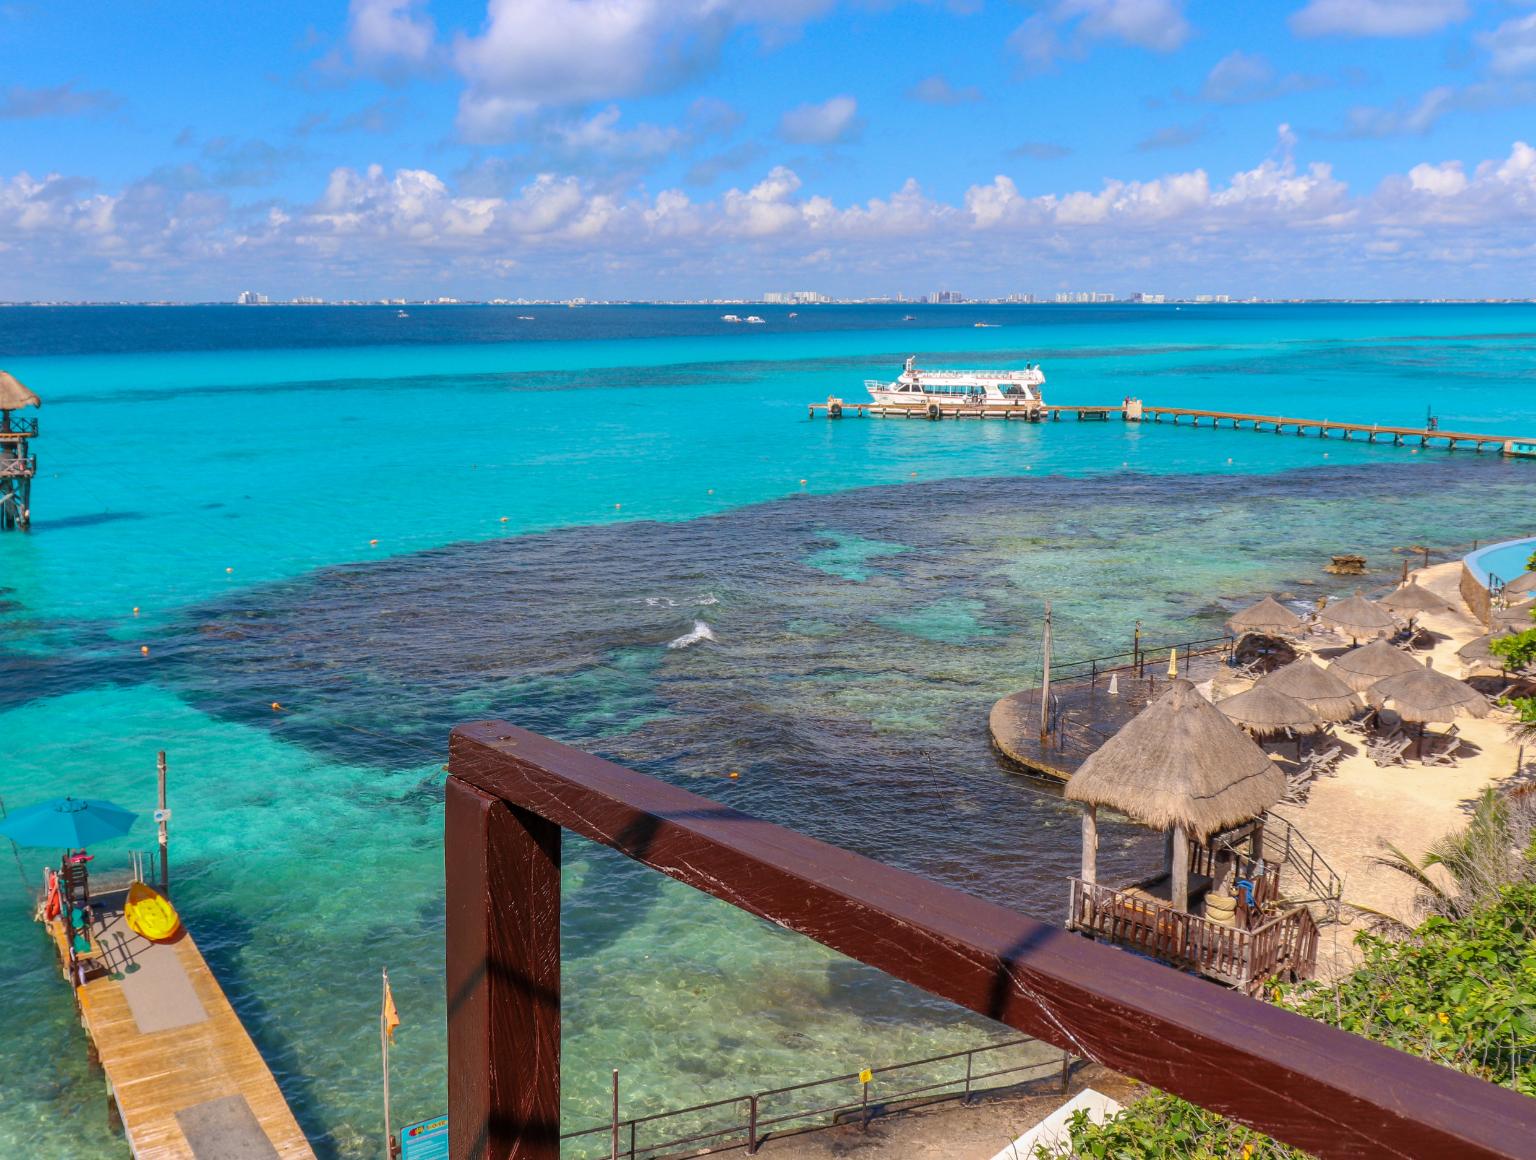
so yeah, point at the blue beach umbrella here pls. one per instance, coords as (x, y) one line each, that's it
(69, 822)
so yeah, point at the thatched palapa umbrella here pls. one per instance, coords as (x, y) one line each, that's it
(1316, 688)
(1265, 711)
(1413, 598)
(1178, 765)
(1427, 695)
(1362, 667)
(1357, 617)
(1269, 617)
(1477, 652)
(1515, 618)
(14, 396)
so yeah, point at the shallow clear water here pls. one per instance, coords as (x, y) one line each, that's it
(870, 587)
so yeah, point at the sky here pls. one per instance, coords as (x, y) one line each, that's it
(164, 149)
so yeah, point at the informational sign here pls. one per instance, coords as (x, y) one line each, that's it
(866, 1075)
(425, 1140)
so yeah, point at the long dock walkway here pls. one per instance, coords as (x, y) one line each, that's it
(1136, 411)
(186, 1080)
(1282, 424)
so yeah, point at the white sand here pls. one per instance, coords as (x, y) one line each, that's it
(1351, 817)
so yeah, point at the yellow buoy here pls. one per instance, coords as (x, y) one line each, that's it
(373, 543)
(277, 707)
(135, 609)
(144, 650)
(733, 775)
(503, 519)
(227, 571)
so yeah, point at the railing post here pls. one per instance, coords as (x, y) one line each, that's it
(614, 1148)
(1066, 1072)
(752, 1125)
(966, 1099)
(502, 869)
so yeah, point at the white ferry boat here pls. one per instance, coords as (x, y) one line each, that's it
(730, 318)
(754, 320)
(920, 388)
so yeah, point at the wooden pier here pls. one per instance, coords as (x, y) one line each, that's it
(183, 1077)
(1136, 411)
(1084, 712)
(1016, 412)
(1327, 428)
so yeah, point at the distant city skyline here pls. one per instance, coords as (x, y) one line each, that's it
(667, 149)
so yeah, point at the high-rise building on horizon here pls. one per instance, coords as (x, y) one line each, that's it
(250, 298)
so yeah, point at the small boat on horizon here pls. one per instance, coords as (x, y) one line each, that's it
(909, 318)
(982, 388)
(730, 318)
(986, 325)
(401, 314)
(754, 320)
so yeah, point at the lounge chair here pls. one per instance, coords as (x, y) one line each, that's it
(1322, 763)
(1390, 750)
(1444, 756)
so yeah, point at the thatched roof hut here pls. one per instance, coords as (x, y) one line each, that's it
(1515, 618)
(1180, 763)
(1477, 652)
(1268, 616)
(1319, 690)
(1413, 598)
(1362, 667)
(1427, 695)
(1265, 711)
(14, 396)
(1356, 616)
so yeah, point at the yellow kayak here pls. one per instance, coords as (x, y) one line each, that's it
(150, 913)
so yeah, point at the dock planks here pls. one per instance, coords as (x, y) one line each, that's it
(1135, 411)
(156, 1078)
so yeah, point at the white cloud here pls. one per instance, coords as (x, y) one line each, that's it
(1512, 45)
(1066, 27)
(1377, 18)
(537, 53)
(1242, 78)
(1444, 180)
(370, 228)
(383, 31)
(828, 123)
(936, 90)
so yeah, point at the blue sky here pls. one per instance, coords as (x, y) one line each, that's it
(657, 148)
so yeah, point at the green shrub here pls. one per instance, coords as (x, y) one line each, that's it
(1458, 992)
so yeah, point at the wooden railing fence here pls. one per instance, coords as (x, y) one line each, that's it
(510, 793)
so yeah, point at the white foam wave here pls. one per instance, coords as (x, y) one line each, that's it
(700, 632)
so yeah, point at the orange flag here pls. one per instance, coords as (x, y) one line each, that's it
(390, 1016)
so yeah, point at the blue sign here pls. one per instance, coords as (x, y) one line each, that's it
(426, 1140)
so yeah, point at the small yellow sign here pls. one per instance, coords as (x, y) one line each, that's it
(866, 1076)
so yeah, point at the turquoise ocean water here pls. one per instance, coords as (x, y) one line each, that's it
(561, 507)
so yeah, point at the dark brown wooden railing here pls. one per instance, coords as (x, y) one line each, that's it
(511, 792)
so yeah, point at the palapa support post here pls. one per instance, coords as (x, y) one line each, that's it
(1179, 885)
(1090, 869)
(502, 869)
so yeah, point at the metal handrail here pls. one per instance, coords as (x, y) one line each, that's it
(18, 467)
(750, 1131)
(1136, 658)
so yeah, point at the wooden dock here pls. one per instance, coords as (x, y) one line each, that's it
(1084, 713)
(183, 1076)
(1018, 413)
(1136, 411)
(1327, 428)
